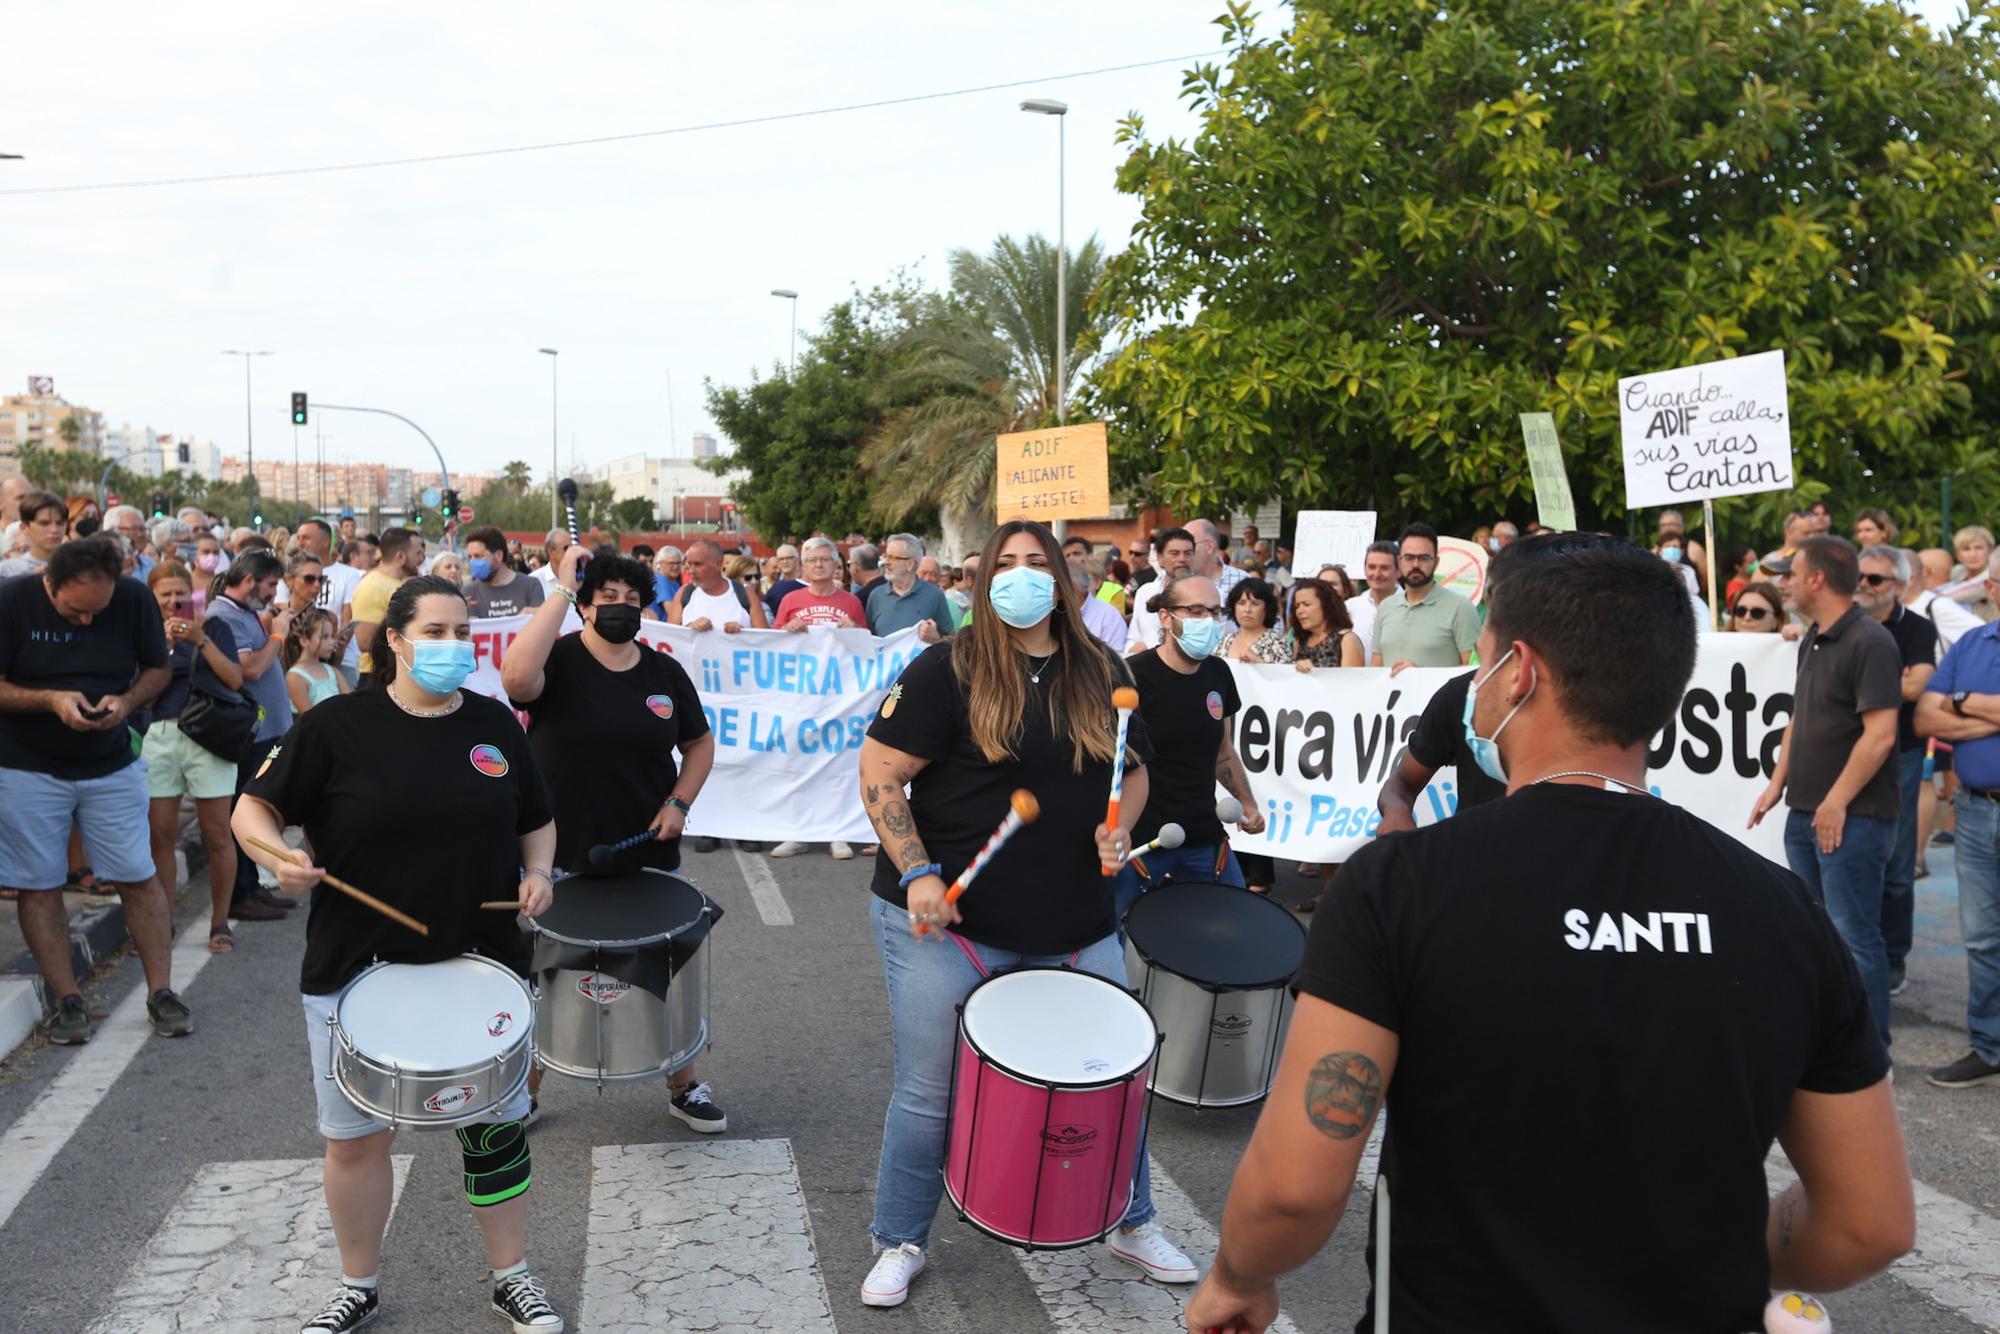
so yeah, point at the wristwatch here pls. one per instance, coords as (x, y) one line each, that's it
(1958, 701)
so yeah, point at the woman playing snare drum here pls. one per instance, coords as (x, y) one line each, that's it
(1019, 699)
(427, 797)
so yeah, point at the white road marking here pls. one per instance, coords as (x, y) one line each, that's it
(771, 905)
(1088, 1290)
(713, 1237)
(248, 1246)
(40, 1133)
(1953, 1262)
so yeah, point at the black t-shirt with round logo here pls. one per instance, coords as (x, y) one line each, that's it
(605, 742)
(1605, 1006)
(1184, 717)
(1043, 893)
(425, 814)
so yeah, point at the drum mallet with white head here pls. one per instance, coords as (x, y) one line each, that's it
(1023, 808)
(1170, 837)
(1125, 699)
(1228, 809)
(1796, 1313)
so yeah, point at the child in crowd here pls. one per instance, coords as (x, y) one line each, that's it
(313, 638)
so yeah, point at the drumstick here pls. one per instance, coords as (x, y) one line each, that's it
(1171, 836)
(393, 914)
(601, 854)
(499, 905)
(566, 488)
(1124, 699)
(1023, 810)
(1228, 809)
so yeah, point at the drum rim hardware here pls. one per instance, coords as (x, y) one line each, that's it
(1260, 984)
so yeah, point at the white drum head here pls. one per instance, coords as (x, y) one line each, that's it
(1060, 1027)
(435, 1016)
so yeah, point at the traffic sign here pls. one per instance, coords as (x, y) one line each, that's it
(113, 500)
(465, 514)
(431, 497)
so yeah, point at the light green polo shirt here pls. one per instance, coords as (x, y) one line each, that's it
(1437, 632)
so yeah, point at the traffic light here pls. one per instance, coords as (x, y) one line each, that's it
(449, 507)
(298, 409)
(159, 504)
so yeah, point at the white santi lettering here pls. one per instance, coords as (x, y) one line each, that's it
(1622, 933)
(1701, 930)
(1607, 937)
(1634, 932)
(1578, 935)
(1680, 922)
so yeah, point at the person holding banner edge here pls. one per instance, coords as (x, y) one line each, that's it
(606, 714)
(1020, 698)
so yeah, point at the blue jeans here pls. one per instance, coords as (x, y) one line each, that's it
(1899, 882)
(1848, 881)
(1187, 863)
(927, 979)
(1978, 852)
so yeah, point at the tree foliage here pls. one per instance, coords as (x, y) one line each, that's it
(1403, 222)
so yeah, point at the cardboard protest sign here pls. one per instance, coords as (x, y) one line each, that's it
(1332, 537)
(1722, 428)
(1554, 507)
(1060, 473)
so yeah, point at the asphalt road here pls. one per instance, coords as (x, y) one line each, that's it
(187, 1194)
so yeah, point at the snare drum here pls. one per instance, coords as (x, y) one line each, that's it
(432, 1045)
(1213, 964)
(621, 972)
(1048, 1106)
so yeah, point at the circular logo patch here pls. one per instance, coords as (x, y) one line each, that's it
(489, 761)
(499, 1024)
(1215, 704)
(661, 705)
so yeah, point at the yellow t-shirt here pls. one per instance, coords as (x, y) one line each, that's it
(371, 601)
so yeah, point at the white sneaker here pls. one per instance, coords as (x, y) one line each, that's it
(789, 848)
(888, 1283)
(1148, 1248)
(842, 852)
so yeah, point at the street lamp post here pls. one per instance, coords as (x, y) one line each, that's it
(249, 429)
(792, 297)
(1060, 110)
(555, 463)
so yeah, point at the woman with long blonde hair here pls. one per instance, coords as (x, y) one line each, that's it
(1019, 698)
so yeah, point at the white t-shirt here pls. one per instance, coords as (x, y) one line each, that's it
(1145, 624)
(1361, 610)
(720, 609)
(546, 576)
(1952, 619)
(335, 594)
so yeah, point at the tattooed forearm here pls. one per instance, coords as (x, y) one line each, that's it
(897, 820)
(1342, 1094)
(1225, 774)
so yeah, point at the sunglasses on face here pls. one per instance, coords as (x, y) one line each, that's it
(1877, 580)
(1748, 613)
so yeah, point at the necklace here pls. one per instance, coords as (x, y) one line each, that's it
(456, 700)
(1609, 781)
(1035, 672)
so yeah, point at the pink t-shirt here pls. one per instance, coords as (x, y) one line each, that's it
(802, 604)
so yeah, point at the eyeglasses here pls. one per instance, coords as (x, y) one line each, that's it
(1195, 609)
(1410, 558)
(1748, 613)
(1136, 552)
(1877, 580)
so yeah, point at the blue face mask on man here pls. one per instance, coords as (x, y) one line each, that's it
(480, 568)
(1198, 638)
(439, 666)
(1486, 749)
(1023, 596)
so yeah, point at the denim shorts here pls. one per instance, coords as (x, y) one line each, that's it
(40, 808)
(339, 1118)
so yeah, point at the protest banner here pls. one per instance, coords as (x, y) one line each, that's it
(1722, 428)
(1332, 537)
(1555, 508)
(788, 713)
(1318, 748)
(1060, 473)
(1461, 568)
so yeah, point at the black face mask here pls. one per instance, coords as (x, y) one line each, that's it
(617, 622)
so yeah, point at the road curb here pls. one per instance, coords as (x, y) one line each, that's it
(20, 1010)
(96, 932)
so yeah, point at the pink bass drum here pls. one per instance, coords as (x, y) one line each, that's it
(1048, 1106)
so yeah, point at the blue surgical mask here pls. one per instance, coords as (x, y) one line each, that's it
(1199, 638)
(481, 568)
(1023, 596)
(439, 665)
(1670, 553)
(1486, 749)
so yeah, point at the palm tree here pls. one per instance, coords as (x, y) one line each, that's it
(70, 430)
(517, 477)
(983, 368)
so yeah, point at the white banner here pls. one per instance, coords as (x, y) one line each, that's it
(1318, 748)
(788, 712)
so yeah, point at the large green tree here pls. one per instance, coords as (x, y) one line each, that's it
(1403, 222)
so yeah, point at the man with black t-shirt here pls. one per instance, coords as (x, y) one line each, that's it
(1438, 741)
(81, 648)
(1591, 1012)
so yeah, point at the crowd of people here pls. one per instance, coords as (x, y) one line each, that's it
(149, 668)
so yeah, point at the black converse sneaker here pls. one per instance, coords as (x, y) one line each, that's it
(524, 1302)
(697, 1109)
(348, 1308)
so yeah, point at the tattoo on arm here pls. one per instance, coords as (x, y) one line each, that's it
(1342, 1093)
(1788, 1208)
(1225, 773)
(896, 818)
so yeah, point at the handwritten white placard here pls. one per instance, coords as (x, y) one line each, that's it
(1722, 428)
(1332, 537)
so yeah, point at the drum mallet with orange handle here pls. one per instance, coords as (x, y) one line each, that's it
(1124, 699)
(1023, 808)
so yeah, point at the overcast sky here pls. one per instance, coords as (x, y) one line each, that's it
(427, 289)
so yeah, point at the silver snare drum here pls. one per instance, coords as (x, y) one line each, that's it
(621, 972)
(1212, 963)
(432, 1045)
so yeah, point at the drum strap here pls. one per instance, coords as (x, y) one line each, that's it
(972, 955)
(496, 1161)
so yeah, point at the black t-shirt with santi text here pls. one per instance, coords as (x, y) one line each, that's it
(1605, 1006)
(1043, 893)
(41, 649)
(425, 814)
(605, 741)
(1185, 716)
(1439, 741)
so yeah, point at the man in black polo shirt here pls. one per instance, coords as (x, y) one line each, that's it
(1591, 1012)
(1837, 771)
(1885, 578)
